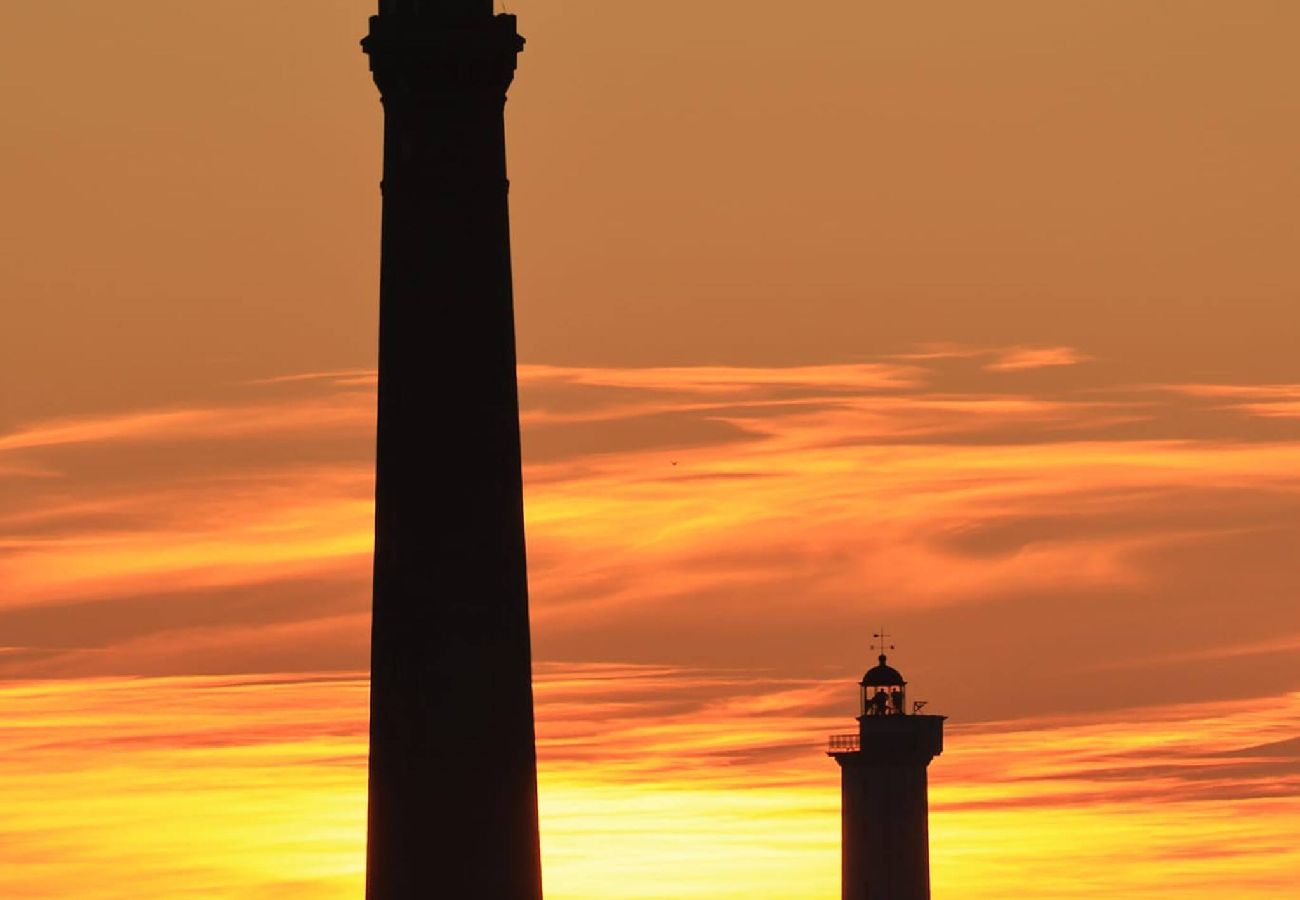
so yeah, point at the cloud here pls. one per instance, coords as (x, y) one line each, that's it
(689, 516)
(1266, 401)
(246, 784)
(334, 410)
(721, 380)
(189, 537)
(1021, 359)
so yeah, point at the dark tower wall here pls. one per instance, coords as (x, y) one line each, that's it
(453, 785)
(885, 811)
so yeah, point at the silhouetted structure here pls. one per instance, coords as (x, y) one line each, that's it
(885, 812)
(453, 784)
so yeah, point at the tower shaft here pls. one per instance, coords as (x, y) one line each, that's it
(453, 785)
(885, 808)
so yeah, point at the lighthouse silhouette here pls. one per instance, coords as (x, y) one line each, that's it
(884, 791)
(453, 770)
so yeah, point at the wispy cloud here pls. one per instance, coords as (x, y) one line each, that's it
(334, 410)
(720, 380)
(1020, 359)
(684, 776)
(808, 499)
(709, 549)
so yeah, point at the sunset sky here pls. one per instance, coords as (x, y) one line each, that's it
(973, 319)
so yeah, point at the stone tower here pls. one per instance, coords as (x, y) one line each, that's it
(884, 790)
(453, 784)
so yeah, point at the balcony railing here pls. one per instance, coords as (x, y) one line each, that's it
(844, 743)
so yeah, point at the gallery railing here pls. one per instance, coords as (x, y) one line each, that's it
(844, 743)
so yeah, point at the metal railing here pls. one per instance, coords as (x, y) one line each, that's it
(844, 743)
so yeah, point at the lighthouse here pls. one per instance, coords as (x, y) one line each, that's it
(884, 791)
(453, 773)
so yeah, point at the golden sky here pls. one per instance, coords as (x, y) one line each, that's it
(974, 319)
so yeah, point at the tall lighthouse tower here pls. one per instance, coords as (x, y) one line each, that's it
(453, 782)
(885, 803)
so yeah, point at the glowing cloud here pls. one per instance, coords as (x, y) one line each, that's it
(709, 548)
(1020, 359)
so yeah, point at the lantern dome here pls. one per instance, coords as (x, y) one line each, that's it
(883, 675)
(884, 692)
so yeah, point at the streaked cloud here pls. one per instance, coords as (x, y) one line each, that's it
(683, 778)
(802, 500)
(334, 410)
(710, 548)
(1020, 359)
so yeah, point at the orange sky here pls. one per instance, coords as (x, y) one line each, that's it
(974, 319)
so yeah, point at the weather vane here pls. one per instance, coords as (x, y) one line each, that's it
(881, 641)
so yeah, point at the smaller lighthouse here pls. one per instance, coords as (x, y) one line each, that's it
(885, 803)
